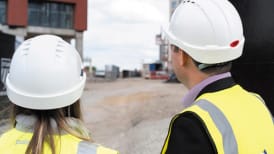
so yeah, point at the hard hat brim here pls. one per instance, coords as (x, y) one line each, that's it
(45, 102)
(210, 54)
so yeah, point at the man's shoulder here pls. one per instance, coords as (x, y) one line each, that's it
(189, 130)
(189, 117)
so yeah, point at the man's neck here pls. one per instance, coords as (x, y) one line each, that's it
(196, 79)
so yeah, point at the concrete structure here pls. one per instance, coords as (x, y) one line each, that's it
(161, 41)
(173, 5)
(163, 51)
(27, 18)
(21, 19)
(112, 72)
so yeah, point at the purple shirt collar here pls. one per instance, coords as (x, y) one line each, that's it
(190, 97)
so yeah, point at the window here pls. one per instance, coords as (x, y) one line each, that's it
(57, 15)
(2, 11)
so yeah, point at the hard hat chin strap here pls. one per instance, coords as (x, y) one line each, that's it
(206, 66)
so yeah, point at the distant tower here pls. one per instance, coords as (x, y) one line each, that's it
(164, 54)
(173, 5)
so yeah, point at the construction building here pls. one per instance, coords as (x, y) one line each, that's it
(163, 51)
(173, 5)
(22, 19)
(164, 54)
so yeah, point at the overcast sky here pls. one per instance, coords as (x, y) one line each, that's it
(122, 32)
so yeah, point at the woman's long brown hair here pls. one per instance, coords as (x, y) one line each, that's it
(43, 130)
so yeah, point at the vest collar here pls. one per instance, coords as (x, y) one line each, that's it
(192, 94)
(217, 86)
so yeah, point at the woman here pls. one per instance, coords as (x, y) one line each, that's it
(45, 84)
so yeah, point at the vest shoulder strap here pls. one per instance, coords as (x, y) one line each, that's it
(86, 147)
(262, 100)
(221, 130)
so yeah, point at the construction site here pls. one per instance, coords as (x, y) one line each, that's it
(129, 115)
(129, 110)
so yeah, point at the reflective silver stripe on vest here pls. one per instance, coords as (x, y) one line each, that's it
(229, 141)
(85, 147)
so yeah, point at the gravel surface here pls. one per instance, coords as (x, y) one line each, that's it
(131, 115)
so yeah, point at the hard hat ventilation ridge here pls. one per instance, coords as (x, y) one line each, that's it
(202, 28)
(60, 46)
(188, 1)
(26, 47)
(49, 75)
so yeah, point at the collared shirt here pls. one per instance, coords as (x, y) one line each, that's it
(190, 97)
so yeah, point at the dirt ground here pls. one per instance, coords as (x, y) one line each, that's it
(131, 115)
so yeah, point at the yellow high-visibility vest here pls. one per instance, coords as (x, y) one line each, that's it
(16, 142)
(237, 121)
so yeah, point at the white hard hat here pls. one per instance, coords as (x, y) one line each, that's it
(210, 31)
(45, 73)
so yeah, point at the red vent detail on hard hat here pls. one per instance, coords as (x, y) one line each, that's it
(234, 43)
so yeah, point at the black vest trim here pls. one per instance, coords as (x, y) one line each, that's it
(218, 86)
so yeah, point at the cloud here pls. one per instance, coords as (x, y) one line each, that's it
(122, 57)
(130, 11)
(122, 32)
(134, 11)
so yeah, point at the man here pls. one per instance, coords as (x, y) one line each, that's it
(221, 117)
